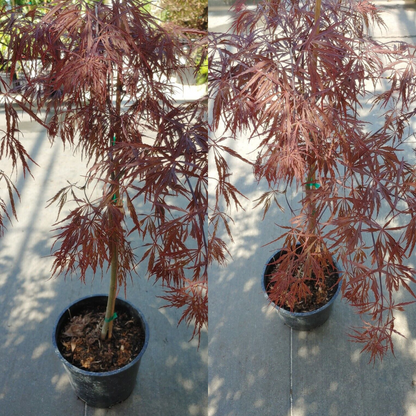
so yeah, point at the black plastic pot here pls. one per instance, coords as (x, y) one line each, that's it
(301, 321)
(108, 388)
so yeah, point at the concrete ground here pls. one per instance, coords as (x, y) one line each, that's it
(172, 378)
(258, 366)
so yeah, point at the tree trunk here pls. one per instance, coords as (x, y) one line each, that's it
(113, 139)
(111, 301)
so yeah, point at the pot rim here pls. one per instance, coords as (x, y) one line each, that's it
(300, 314)
(104, 373)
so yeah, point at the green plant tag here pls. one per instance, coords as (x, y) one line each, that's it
(313, 185)
(112, 318)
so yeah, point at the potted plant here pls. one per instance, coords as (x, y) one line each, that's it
(5, 81)
(193, 15)
(97, 77)
(295, 75)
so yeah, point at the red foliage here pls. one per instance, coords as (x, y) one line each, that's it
(297, 84)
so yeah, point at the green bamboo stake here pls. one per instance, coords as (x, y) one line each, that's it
(311, 178)
(107, 328)
(111, 300)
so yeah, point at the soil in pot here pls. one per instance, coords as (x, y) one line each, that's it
(81, 345)
(318, 296)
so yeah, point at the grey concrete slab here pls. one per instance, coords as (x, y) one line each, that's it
(245, 376)
(172, 378)
(249, 349)
(331, 377)
(400, 18)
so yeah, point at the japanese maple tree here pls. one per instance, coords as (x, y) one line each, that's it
(97, 77)
(294, 74)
